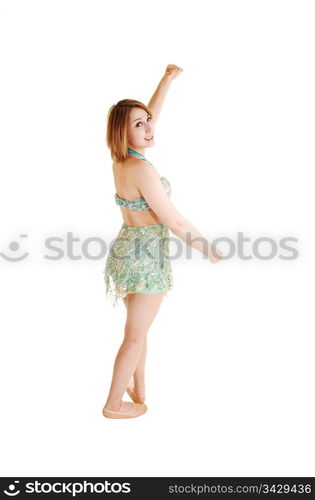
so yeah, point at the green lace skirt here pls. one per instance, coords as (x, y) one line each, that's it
(138, 262)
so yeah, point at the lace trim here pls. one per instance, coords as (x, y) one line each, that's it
(114, 294)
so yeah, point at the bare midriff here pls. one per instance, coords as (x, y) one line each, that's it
(137, 219)
(126, 189)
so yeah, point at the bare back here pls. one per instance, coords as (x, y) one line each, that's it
(126, 188)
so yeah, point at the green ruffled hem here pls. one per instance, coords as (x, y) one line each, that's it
(114, 294)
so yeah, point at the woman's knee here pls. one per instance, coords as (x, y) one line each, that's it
(134, 336)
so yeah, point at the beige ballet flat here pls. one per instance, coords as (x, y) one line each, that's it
(136, 410)
(137, 398)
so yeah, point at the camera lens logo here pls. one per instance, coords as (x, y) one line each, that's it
(14, 247)
(12, 492)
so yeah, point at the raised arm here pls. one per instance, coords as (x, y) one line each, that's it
(157, 100)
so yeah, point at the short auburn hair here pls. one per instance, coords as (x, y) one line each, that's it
(117, 124)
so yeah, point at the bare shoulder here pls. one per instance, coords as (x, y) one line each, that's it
(131, 166)
(143, 168)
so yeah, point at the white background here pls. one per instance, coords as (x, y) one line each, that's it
(230, 364)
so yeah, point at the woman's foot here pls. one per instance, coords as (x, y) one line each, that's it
(135, 396)
(126, 410)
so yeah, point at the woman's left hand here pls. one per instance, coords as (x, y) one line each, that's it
(172, 71)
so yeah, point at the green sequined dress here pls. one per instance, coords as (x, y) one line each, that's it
(139, 260)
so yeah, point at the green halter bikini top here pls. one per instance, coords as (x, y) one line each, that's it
(140, 205)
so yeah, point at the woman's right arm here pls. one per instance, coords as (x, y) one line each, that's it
(191, 236)
(151, 188)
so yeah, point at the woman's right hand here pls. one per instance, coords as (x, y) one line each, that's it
(215, 255)
(172, 71)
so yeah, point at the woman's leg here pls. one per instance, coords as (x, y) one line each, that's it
(142, 309)
(139, 373)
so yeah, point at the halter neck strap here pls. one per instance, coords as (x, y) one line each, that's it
(133, 152)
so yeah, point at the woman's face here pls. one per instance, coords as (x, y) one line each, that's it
(140, 129)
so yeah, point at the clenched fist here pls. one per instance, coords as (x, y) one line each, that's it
(172, 71)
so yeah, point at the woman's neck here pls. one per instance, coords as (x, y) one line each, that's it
(135, 150)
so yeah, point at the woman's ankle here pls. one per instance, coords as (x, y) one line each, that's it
(113, 405)
(139, 388)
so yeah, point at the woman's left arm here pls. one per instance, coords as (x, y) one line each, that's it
(157, 100)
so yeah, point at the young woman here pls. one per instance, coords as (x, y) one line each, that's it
(138, 268)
